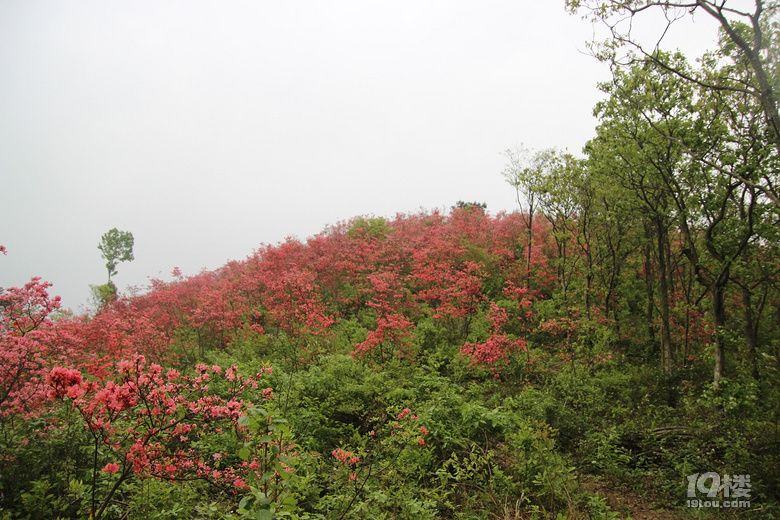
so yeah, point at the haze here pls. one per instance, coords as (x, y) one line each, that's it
(208, 128)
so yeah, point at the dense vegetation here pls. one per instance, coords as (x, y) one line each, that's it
(410, 368)
(621, 331)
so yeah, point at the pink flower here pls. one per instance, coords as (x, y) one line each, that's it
(65, 382)
(111, 467)
(421, 441)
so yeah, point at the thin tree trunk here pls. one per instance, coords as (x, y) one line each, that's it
(529, 244)
(719, 317)
(650, 284)
(751, 330)
(663, 289)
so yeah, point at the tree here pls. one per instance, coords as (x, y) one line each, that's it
(748, 37)
(116, 246)
(524, 171)
(676, 140)
(470, 206)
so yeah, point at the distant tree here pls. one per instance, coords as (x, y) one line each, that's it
(470, 205)
(102, 294)
(526, 171)
(116, 246)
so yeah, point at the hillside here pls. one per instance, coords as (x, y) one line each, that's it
(428, 366)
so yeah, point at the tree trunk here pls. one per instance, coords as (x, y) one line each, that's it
(529, 244)
(719, 321)
(663, 289)
(649, 283)
(751, 330)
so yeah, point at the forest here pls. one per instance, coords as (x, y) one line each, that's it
(609, 350)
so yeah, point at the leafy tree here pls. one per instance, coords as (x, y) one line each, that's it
(749, 38)
(471, 206)
(103, 293)
(661, 127)
(524, 171)
(558, 192)
(116, 246)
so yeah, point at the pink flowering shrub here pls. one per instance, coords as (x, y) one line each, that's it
(29, 343)
(152, 423)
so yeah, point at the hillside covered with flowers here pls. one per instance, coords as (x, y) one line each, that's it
(460, 365)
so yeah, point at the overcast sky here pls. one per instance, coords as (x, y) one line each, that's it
(207, 128)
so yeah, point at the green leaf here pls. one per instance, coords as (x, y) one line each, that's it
(264, 514)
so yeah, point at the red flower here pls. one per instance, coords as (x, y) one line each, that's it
(111, 467)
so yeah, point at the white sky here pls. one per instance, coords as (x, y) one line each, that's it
(206, 128)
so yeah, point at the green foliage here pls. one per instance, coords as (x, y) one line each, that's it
(103, 294)
(116, 246)
(376, 228)
(578, 394)
(470, 206)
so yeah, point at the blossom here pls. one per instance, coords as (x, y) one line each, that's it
(345, 456)
(65, 382)
(111, 467)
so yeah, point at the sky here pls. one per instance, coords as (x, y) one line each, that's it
(210, 128)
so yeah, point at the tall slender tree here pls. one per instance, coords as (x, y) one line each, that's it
(116, 246)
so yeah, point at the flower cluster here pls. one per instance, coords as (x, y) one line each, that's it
(408, 428)
(346, 457)
(497, 349)
(29, 344)
(148, 421)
